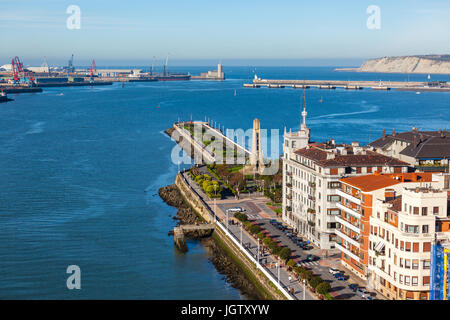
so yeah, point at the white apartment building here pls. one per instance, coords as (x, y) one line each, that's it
(311, 176)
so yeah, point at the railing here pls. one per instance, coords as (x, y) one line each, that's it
(236, 242)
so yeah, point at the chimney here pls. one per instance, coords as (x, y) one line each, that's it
(421, 137)
(384, 133)
(443, 133)
(415, 141)
(330, 155)
(393, 132)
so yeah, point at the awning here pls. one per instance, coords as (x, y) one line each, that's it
(379, 246)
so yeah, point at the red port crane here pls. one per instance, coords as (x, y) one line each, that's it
(19, 72)
(93, 68)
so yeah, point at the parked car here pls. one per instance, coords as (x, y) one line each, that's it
(311, 257)
(334, 271)
(353, 286)
(340, 277)
(235, 209)
(368, 297)
(362, 292)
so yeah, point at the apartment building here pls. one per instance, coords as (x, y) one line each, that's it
(387, 227)
(311, 183)
(424, 150)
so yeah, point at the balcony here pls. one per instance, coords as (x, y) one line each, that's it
(347, 252)
(312, 198)
(289, 174)
(348, 224)
(347, 238)
(349, 197)
(312, 184)
(288, 209)
(349, 210)
(289, 196)
(289, 185)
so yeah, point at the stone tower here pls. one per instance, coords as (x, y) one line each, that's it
(256, 158)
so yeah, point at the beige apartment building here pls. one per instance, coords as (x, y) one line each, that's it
(387, 227)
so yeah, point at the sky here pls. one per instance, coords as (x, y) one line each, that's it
(200, 32)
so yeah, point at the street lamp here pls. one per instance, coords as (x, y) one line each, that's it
(227, 219)
(278, 267)
(241, 233)
(258, 252)
(304, 289)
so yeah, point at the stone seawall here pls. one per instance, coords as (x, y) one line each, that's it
(225, 256)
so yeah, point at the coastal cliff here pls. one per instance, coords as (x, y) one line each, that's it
(429, 64)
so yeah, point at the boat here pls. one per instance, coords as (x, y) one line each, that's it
(167, 76)
(4, 97)
(235, 93)
(417, 92)
(321, 99)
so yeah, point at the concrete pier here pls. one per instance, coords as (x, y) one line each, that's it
(348, 85)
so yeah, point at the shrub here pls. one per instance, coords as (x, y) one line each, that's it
(247, 224)
(323, 288)
(254, 229)
(267, 241)
(260, 235)
(285, 253)
(306, 274)
(315, 281)
(291, 263)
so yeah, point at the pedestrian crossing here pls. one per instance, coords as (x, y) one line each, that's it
(309, 264)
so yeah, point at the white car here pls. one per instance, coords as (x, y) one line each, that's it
(334, 271)
(235, 209)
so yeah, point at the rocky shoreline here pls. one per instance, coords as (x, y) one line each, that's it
(218, 257)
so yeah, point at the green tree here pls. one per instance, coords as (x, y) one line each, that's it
(267, 241)
(315, 281)
(285, 253)
(291, 263)
(323, 288)
(260, 235)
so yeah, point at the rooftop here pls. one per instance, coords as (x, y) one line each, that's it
(327, 155)
(422, 144)
(373, 182)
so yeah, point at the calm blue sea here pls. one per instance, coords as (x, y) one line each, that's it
(79, 173)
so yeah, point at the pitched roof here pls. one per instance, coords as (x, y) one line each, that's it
(429, 144)
(373, 182)
(351, 159)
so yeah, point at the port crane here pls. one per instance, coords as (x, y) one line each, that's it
(70, 68)
(92, 70)
(19, 73)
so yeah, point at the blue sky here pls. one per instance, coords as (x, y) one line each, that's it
(300, 32)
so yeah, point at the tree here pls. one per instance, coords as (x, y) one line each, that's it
(315, 281)
(260, 235)
(254, 229)
(285, 253)
(291, 263)
(323, 288)
(267, 241)
(306, 274)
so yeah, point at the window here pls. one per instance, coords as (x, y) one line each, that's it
(401, 279)
(333, 212)
(426, 280)
(426, 246)
(415, 264)
(416, 210)
(408, 246)
(435, 210)
(411, 229)
(333, 171)
(401, 263)
(407, 280)
(415, 247)
(415, 281)
(424, 211)
(334, 198)
(369, 169)
(426, 264)
(425, 228)
(334, 185)
(407, 264)
(358, 169)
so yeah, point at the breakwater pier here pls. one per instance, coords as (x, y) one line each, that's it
(349, 85)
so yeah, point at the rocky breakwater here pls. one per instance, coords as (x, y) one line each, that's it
(223, 263)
